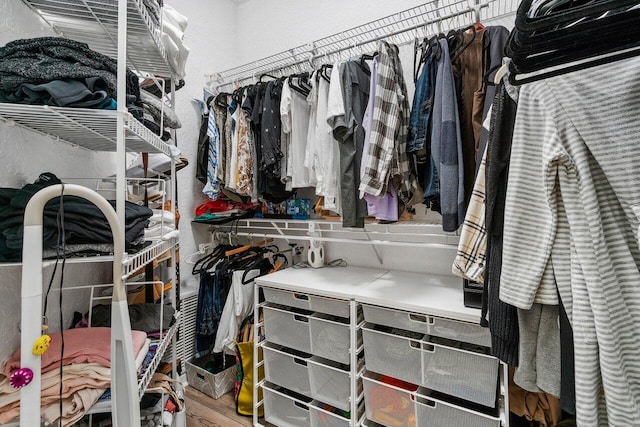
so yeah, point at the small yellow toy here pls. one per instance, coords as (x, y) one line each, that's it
(41, 345)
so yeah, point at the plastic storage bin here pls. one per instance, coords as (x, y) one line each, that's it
(210, 383)
(390, 405)
(461, 373)
(286, 370)
(330, 338)
(283, 410)
(334, 307)
(287, 328)
(437, 326)
(330, 383)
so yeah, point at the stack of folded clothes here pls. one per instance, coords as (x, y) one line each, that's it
(86, 374)
(63, 73)
(86, 229)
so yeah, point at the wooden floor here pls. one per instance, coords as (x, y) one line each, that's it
(203, 411)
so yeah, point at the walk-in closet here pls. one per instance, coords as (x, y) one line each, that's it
(319, 213)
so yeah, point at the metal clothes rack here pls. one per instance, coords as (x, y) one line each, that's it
(400, 28)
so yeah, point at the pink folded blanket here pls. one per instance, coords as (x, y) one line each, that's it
(82, 345)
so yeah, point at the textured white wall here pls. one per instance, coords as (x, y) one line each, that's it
(210, 38)
(271, 26)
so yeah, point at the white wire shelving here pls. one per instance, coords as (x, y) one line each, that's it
(131, 262)
(104, 406)
(92, 129)
(95, 22)
(404, 234)
(400, 28)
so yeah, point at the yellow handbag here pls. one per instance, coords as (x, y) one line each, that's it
(244, 393)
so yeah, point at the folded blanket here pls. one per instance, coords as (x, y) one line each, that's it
(82, 345)
(82, 383)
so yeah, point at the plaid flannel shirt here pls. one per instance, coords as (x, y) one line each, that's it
(388, 150)
(470, 261)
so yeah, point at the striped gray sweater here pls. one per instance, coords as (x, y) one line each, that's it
(572, 221)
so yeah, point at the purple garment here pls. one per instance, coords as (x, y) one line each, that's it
(383, 208)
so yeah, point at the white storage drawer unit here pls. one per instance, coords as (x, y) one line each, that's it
(287, 328)
(460, 373)
(286, 370)
(437, 326)
(283, 410)
(393, 406)
(334, 307)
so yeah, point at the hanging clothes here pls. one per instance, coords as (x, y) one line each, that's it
(335, 108)
(419, 133)
(382, 208)
(212, 187)
(238, 306)
(469, 68)
(388, 151)
(243, 180)
(294, 112)
(348, 130)
(495, 40)
(270, 137)
(311, 159)
(573, 181)
(446, 143)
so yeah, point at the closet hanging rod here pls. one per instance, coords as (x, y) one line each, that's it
(403, 22)
(475, 9)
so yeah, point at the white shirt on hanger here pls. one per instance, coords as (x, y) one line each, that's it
(335, 108)
(294, 111)
(311, 154)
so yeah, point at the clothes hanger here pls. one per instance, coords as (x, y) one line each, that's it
(247, 247)
(267, 75)
(460, 36)
(526, 23)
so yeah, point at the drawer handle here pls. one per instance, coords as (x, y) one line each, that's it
(301, 318)
(414, 344)
(430, 403)
(301, 297)
(300, 405)
(300, 361)
(200, 376)
(421, 318)
(429, 348)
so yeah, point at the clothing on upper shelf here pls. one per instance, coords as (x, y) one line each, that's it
(173, 26)
(83, 221)
(143, 317)
(42, 60)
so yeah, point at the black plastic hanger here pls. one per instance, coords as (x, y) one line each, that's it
(266, 75)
